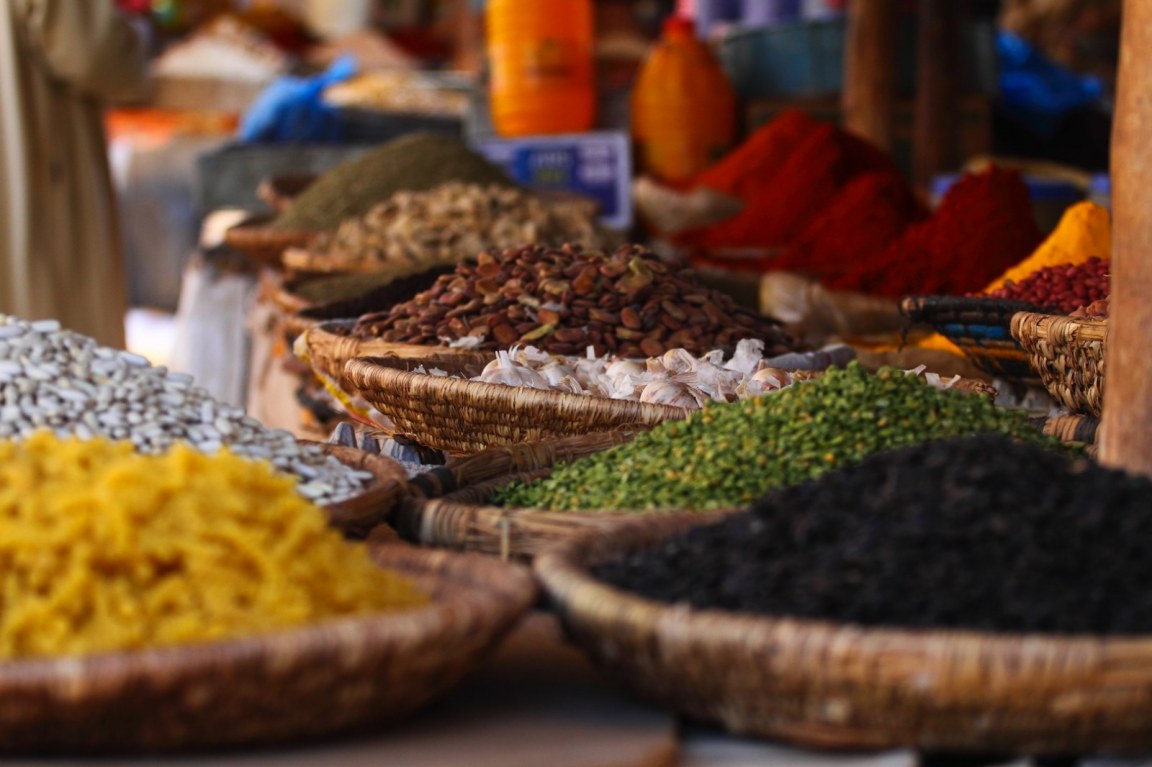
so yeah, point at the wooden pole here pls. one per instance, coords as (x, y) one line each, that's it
(870, 70)
(937, 28)
(1126, 433)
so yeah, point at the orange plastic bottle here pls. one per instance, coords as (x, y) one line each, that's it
(683, 109)
(540, 65)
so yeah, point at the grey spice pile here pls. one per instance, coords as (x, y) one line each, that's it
(973, 533)
(729, 455)
(66, 383)
(562, 300)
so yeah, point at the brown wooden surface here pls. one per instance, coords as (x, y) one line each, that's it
(870, 70)
(1126, 439)
(936, 95)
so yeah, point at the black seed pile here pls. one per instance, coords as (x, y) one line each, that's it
(978, 532)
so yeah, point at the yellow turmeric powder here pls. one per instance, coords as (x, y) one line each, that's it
(1084, 231)
(104, 549)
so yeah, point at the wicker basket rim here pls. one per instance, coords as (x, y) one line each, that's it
(479, 391)
(479, 584)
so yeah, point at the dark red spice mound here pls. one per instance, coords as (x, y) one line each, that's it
(863, 219)
(984, 225)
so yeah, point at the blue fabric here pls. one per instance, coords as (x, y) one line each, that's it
(1037, 91)
(292, 108)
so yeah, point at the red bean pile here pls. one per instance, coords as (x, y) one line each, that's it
(1061, 289)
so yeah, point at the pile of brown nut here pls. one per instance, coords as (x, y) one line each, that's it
(629, 303)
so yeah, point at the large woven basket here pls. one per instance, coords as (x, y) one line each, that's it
(288, 686)
(266, 245)
(980, 327)
(838, 686)
(1068, 356)
(357, 516)
(460, 416)
(327, 347)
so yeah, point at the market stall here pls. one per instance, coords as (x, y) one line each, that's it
(805, 467)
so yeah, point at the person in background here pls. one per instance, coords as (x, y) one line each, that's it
(60, 250)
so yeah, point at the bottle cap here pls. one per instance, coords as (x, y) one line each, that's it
(679, 25)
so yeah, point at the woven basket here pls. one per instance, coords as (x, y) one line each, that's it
(265, 245)
(450, 506)
(460, 416)
(288, 686)
(980, 327)
(329, 346)
(845, 687)
(1068, 356)
(357, 516)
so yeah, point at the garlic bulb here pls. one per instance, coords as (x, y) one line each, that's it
(672, 393)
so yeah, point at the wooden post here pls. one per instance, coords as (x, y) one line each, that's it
(1126, 438)
(870, 70)
(934, 131)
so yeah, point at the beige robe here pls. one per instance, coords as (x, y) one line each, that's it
(60, 250)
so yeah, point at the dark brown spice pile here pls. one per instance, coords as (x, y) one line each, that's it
(976, 533)
(562, 300)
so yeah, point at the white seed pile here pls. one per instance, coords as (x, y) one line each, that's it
(67, 383)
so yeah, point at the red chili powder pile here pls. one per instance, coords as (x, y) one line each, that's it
(786, 173)
(984, 225)
(861, 220)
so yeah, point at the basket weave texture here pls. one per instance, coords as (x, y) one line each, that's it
(451, 507)
(980, 327)
(330, 346)
(460, 416)
(357, 516)
(839, 686)
(283, 687)
(1068, 355)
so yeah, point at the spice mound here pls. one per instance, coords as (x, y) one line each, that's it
(106, 549)
(412, 231)
(415, 162)
(1062, 289)
(67, 383)
(974, 533)
(730, 455)
(629, 303)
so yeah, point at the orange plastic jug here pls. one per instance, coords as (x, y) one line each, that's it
(683, 109)
(540, 66)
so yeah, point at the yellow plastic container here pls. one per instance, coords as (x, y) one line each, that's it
(540, 64)
(683, 107)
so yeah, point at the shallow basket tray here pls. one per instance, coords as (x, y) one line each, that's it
(450, 506)
(328, 346)
(358, 515)
(1068, 356)
(460, 416)
(828, 685)
(980, 327)
(266, 245)
(289, 686)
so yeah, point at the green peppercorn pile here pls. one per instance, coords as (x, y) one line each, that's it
(730, 455)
